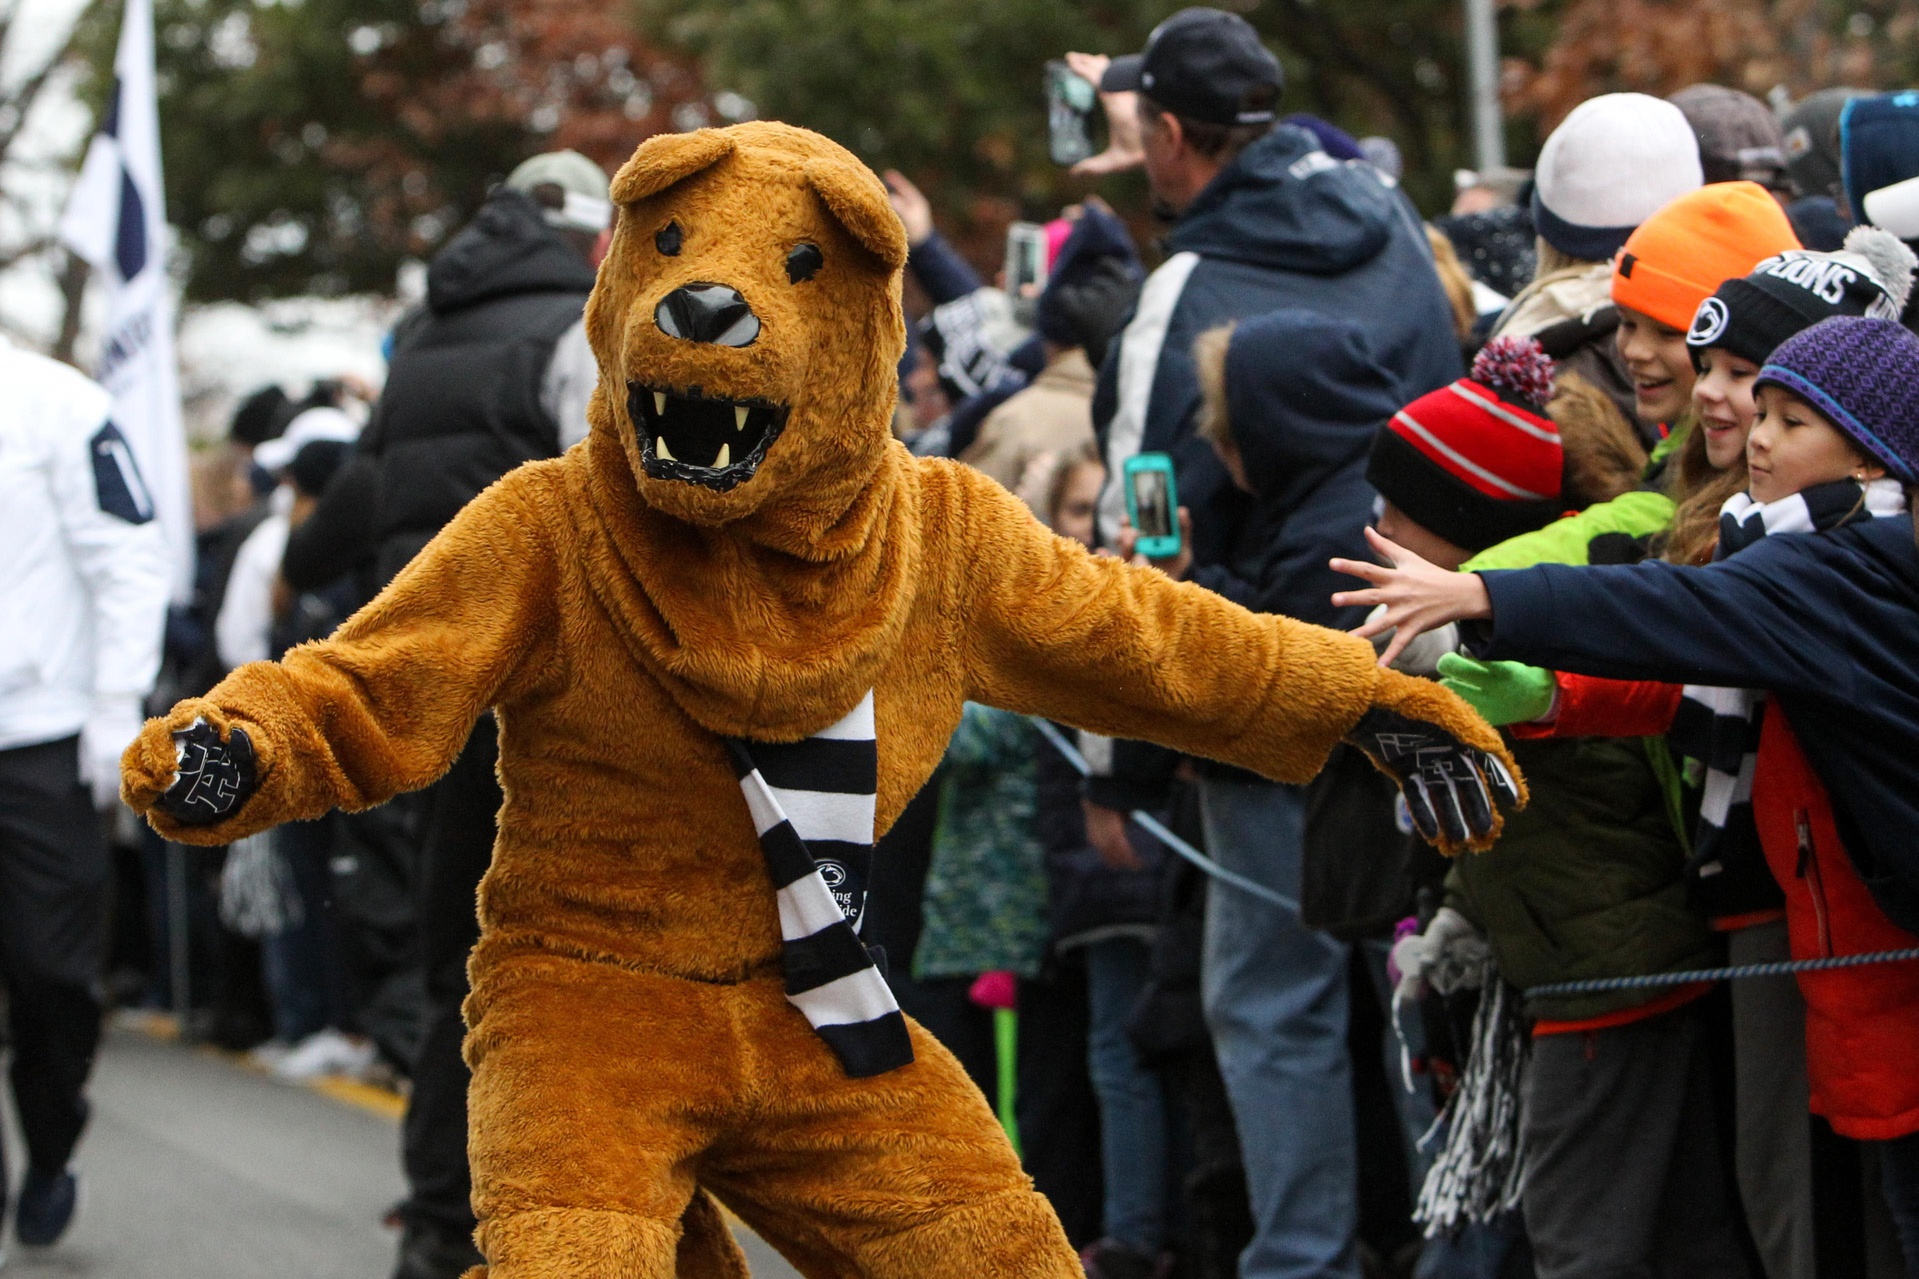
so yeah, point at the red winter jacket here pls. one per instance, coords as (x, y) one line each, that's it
(1589, 706)
(1862, 1024)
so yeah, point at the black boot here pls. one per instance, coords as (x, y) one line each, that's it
(428, 1253)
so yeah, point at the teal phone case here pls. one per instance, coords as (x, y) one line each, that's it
(1154, 473)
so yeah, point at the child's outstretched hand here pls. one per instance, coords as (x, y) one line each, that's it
(1418, 595)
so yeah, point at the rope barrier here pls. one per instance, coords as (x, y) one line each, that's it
(1778, 968)
(1158, 830)
(1593, 986)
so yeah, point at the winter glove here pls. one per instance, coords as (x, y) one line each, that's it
(1504, 692)
(1450, 955)
(1451, 788)
(111, 724)
(212, 777)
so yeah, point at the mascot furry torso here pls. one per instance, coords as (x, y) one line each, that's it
(707, 589)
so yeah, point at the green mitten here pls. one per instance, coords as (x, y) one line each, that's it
(1504, 692)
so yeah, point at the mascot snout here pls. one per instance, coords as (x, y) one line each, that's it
(713, 313)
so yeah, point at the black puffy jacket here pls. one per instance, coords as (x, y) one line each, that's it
(461, 406)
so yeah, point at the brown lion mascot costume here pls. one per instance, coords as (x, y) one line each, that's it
(728, 637)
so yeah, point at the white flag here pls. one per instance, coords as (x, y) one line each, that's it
(116, 219)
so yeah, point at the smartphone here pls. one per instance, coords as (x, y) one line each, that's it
(1069, 101)
(1152, 504)
(1025, 260)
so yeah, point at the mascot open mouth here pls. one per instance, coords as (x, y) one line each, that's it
(685, 435)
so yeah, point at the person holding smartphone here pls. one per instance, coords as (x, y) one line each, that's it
(1262, 219)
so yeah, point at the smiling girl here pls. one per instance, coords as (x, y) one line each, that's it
(1675, 258)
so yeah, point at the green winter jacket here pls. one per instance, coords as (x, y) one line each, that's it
(1640, 513)
(1587, 880)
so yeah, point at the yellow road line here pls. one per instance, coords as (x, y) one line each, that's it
(383, 1102)
(380, 1101)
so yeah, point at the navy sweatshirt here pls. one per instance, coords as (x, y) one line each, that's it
(1828, 623)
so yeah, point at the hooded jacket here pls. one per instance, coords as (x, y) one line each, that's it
(462, 404)
(1282, 225)
(1305, 393)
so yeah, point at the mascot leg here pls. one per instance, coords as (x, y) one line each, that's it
(595, 1091)
(706, 1250)
(903, 1176)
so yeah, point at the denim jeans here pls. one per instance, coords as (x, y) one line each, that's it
(1132, 1105)
(1276, 1002)
(301, 963)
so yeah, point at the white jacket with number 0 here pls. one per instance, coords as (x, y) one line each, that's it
(83, 565)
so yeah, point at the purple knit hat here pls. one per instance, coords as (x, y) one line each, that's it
(1862, 375)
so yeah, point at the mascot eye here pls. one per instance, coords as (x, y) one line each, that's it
(668, 239)
(804, 262)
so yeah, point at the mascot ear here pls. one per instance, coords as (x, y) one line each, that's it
(856, 198)
(667, 158)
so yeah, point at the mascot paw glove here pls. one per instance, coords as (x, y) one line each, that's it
(1453, 769)
(1504, 692)
(211, 776)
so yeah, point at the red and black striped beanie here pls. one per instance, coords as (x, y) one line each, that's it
(1477, 461)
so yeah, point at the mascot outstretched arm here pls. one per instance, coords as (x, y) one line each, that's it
(727, 638)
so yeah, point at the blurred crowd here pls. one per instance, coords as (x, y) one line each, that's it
(1266, 1032)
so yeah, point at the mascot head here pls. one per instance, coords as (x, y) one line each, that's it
(747, 324)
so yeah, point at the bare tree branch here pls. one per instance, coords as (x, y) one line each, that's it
(21, 252)
(7, 16)
(21, 97)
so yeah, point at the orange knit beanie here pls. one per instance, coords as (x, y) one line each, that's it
(1680, 254)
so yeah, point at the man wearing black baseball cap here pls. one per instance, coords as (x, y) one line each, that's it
(1206, 64)
(1263, 219)
(1200, 67)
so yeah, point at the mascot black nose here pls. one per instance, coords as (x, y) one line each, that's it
(712, 313)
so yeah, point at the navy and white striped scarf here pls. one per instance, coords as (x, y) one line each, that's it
(1719, 727)
(812, 803)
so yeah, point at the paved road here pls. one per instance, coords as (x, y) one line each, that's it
(195, 1168)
